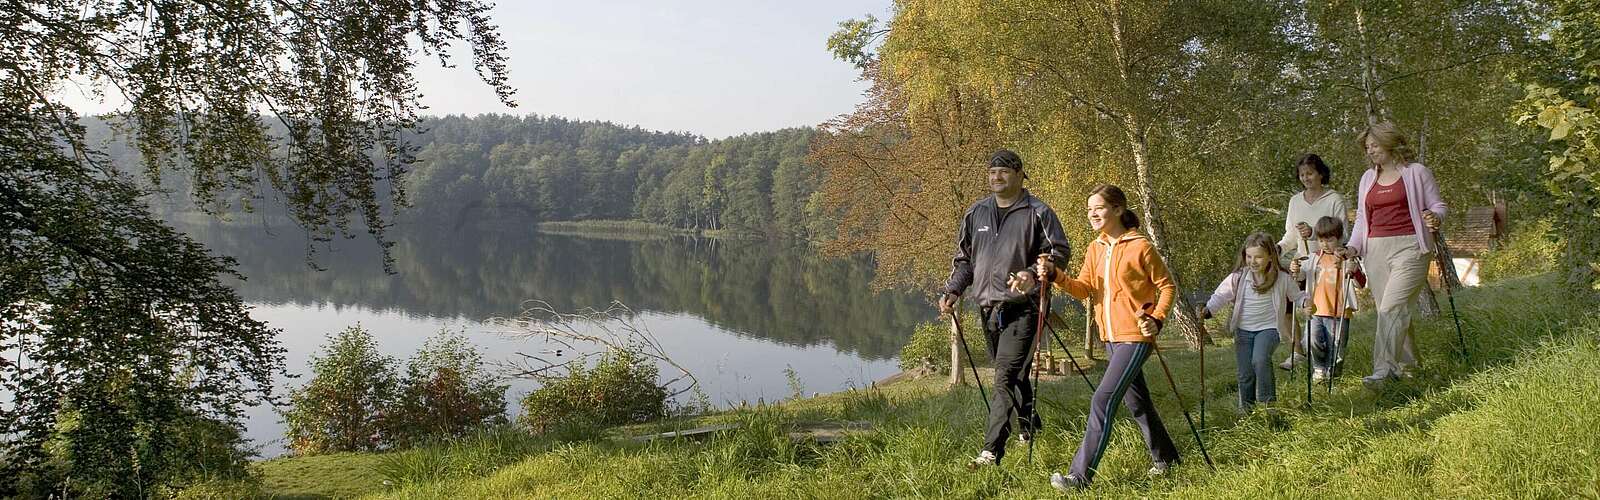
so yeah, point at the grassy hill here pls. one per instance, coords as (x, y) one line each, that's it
(1519, 420)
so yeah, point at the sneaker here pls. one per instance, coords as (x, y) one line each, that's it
(985, 458)
(1159, 468)
(1319, 374)
(1375, 381)
(1290, 362)
(1026, 428)
(1068, 483)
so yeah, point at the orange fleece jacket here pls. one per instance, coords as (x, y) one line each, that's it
(1138, 278)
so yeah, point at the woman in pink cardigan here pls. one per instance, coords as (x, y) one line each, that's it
(1397, 209)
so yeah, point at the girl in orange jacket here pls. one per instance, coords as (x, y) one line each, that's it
(1130, 292)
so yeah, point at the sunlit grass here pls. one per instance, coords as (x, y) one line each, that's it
(1519, 420)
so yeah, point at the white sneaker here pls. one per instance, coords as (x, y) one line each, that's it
(1290, 362)
(1068, 483)
(985, 459)
(1159, 469)
(1375, 381)
(1319, 374)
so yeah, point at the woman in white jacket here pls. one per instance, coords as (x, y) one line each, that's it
(1305, 209)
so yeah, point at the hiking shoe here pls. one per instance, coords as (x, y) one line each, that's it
(1375, 381)
(1159, 468)
(1068, 483)
(985, 458)
(1026, 428)
(1290, 362)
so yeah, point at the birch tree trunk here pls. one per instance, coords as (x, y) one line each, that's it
(1182, 315)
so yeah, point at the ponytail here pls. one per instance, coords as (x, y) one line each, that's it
(1129, 220)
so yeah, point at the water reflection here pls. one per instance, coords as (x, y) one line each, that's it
(788, 295)
(736, 314)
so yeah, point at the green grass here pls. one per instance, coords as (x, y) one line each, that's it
(1519, 421)
(338, 475)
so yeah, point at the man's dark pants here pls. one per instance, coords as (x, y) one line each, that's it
(1009, 330)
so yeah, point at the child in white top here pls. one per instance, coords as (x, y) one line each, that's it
(1260, 293)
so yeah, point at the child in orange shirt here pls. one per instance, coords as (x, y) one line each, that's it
(1333, 299)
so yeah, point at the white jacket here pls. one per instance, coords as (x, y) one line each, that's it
(1285, 291)
(1331, 204)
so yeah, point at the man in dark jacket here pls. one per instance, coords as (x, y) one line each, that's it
(999, 237)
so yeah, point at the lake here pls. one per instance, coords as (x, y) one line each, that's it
(739, 315)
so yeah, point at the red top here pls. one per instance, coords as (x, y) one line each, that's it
(1387, 211)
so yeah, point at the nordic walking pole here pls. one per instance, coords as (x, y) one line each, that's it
(1070, 357)
(1311, 362)
(1446, 274)
(1306, 335)
(1310, 332)
(1192, 429)
(1342, 315)
(1038, 343)
(1063, 345)
(1204, 337)
(956, 322)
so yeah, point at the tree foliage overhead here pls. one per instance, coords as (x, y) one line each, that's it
(1199, 108)
(204, 79)
(120, 329)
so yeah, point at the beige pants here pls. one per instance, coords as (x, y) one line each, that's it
(1396, 271)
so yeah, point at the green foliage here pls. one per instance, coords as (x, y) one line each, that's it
(498, 169)
(1530, 249)
(118, 333)
(344, 405)
(620, 389)
(341, 96)
(1562, 94)
(445, 393)
(930, 345)
(197, 451)
(849, 43)
(121, 328)
(229, 489)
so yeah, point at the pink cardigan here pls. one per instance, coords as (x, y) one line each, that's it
(1422, 193)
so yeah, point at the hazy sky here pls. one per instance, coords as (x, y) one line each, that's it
(711, 67)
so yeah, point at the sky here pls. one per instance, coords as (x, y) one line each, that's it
(716, 68)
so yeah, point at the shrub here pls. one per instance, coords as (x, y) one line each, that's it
(930, 344)
(445, 393)
(186, 450)
(1530, 249)
(342, 407)
(620, 389)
